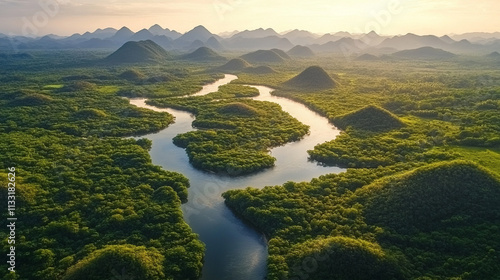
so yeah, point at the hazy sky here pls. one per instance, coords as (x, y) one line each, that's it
(65, 17)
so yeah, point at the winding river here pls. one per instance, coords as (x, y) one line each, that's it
(233, 249)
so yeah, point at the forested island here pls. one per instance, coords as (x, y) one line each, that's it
(234, 133)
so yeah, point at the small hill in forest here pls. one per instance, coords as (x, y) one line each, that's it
(300, 51)
(281, 53)
(132, 75)
(238, 109)
(138, 52)
(203, 54)
(495, 55)
(107, 263)
(90, 113)
(31, 99)
(348, 258)
(424, 53)
(259, 70)
(78, 86)
(434, 196)
(236, 64)
(372, 118)
(263, 56)
(313, 78)
(367, 57)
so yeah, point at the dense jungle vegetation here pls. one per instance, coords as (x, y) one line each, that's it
(419, 200)
(408, 207)
(439, 221)
(234, 133)
(91, 205)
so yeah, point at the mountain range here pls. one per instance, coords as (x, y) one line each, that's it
(258, 39)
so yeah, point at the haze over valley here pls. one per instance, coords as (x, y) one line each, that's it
(248, 40)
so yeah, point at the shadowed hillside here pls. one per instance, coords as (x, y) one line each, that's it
(132, 75)
(440, 220)
(367, 57)
(32, 99)
(141, 262)
(281, 53)
(425, 53)
(203, 54)
(138, 52)
(263, 56)
(371, 118)
(300, 51)
(494, 55)
(236, 64)
(214, 44)
(346, 258)
(313, 78)
(259, 70)
(425, 198)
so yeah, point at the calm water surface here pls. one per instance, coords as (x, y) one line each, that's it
(234, 250)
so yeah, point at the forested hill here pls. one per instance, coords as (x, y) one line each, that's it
(439, 221)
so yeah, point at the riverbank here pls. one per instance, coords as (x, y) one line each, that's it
(234, 250)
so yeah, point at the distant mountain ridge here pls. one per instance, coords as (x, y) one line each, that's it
(344, 43)
(300, 37)
(257, 33)
(197, 33)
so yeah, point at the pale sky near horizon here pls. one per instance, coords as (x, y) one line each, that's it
(391, 17)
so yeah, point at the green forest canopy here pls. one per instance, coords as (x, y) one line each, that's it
(449, 110)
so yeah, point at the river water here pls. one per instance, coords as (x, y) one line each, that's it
(233, 249)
